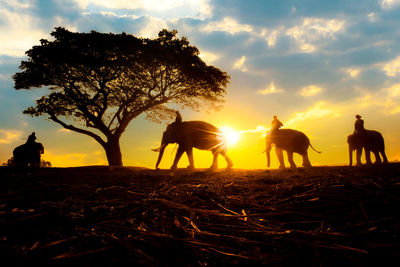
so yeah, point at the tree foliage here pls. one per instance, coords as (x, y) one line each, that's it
(102, 81)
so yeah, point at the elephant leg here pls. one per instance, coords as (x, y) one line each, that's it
(358, 156)
(385, 160)
(368, 156)
(37, 161)
(290, 159)
(279, 154)
(228, 160)
(306, 161)
(215, 160)
(189, 153)
(377, 157)
(177, 157)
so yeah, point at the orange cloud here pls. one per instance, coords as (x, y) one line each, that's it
(310, 90)
(8, 136)
(270, 90)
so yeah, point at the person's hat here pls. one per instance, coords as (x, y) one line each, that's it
(358, 116)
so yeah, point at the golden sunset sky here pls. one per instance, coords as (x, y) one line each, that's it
(314, 64)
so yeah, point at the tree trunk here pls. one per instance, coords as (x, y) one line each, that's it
(113, 152)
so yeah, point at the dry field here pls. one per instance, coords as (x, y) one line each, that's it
(104, 216)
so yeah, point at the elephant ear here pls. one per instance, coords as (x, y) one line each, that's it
(178, 117)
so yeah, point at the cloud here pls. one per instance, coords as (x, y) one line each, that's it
(270, 90)
(59, 20)
(388, 99)
(392, 68)
(372, 17)
(239, 64)
(228, 25)
(182, 8)
(353, 72)
(387, 4)
(152, 27)
(18, 32)
(9, 136)
(270, 36)
(208, 56)
(312, 30)
(310, 90)
(15, 4)
(392, 103)
(319, 110)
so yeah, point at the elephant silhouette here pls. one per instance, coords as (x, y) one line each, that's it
(28, 154)
(193, 134)
(292, 141)
(370, 140)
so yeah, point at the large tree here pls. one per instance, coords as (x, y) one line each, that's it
(99, 82)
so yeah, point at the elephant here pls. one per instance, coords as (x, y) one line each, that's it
(370, 140)
(28, 154)
(193, 134)
(292, 141)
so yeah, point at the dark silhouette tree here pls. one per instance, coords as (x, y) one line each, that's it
(103, 81)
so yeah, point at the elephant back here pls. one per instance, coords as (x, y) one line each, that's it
(373, 140)
(200, 127)
(28, 152)
(201, 135)
(290, 139)
(19, 150)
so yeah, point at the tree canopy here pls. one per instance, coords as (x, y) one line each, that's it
(102, 81)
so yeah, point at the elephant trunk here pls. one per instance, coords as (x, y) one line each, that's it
(161, 149)
(350, 155)
(267, 151)
(160, 155)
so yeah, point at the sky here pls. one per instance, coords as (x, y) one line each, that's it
(314, 64)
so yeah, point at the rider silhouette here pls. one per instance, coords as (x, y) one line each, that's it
(358, 124)
(276, 124)
(31, 138)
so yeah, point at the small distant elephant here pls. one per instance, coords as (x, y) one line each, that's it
(193, 134)
(28, 154)
(291, 141)
(369, 140)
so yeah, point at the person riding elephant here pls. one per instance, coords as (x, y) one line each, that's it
(28, 154)
(193, 134)
(292, 141)
(368, 140)
(276, 124)
(358, 124)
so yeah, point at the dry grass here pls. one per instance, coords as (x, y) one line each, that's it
(96, 215)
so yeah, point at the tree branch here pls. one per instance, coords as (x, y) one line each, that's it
(79, 130)
(97, 122)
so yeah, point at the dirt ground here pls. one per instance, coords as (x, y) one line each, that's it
(328, 216)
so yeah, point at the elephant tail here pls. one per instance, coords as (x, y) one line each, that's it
(315, 149)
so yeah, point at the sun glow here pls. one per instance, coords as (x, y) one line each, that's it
(230, 135)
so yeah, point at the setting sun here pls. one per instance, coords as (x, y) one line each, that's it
(230, 135)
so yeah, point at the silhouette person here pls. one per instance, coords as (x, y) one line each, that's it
(28, 154)
(358, 124)
(275, 124)
(31, 138)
